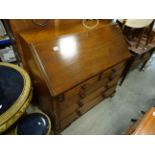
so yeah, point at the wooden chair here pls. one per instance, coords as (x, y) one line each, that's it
(138, 34)
(137, 30)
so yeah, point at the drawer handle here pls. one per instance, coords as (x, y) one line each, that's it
(82, 95)
(112, 94)
(79, 112)
(100, 76)
(84, 86)
(60, 98)
(104, 96)
(80, 104)
(114, 70)
(111, 78)
(107, 86)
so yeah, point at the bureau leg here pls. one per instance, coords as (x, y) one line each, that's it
(143, 65)
(112, 94)
(133, 120)
(142, 112)
(126, 70)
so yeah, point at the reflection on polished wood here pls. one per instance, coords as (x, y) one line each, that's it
(54, 27)
(146, 125)
(74, 68)
(79, 56)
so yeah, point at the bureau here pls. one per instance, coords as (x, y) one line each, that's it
(73, 72)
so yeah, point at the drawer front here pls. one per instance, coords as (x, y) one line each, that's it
(87, 84)
(91, 104)
(109, 92)
(68, 120)
(68, 109)
(114, 70)
(74, 92)
(119, 66)
(117, 73)
(106, 74)
(113, 81)
(100, 83)
(92, 96)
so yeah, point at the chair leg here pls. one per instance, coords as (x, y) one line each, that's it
(142, 112)
(133, 120)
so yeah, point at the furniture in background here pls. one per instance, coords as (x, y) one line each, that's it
(145, 125)
(15, 94)
(8, 52)
(74, 68)
(137, 34)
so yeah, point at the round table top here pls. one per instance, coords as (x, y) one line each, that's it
(11, 87)
(136, 23)
(15, 88)
(34, 124)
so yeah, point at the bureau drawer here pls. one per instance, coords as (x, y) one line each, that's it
(68, 109)
(114, 70)
(117, 73)
(113, 81)
(109, 92)
(92, 96)
(91, 104)
(69, 97)
(68, 120)
(94, 87)
(87, 84)
(119, 66)
(106, 74)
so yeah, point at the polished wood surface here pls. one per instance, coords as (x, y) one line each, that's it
(146, 125)
(52, 27)
(70, 56)
(74, 68)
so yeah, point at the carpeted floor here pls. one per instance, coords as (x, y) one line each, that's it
(112, 116)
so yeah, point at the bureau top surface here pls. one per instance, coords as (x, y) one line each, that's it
(67, 60)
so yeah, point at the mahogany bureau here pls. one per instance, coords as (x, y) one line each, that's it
(73, 72)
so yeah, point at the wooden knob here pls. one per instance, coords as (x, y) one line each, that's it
(100, 76)
(110, 78)
(114, 70)
(82, 95)
(80, 104)
(60, 98)
(103, 95)
(79, 112)
(106, 87)
(84, 86)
